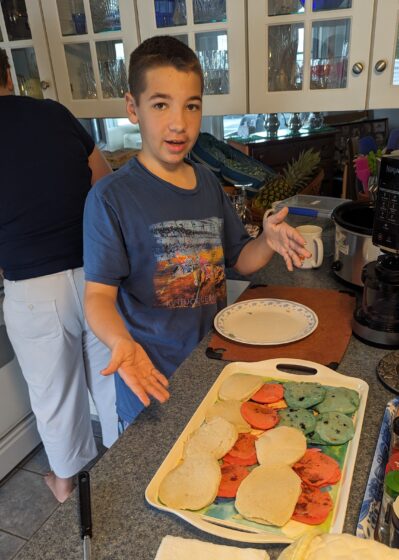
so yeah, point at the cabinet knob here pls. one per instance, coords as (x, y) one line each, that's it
(44, 85)
(380, 66)
(357, 68)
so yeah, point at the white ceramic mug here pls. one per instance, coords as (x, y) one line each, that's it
(314, 244)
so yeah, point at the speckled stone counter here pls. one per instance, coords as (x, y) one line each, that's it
(124, 526)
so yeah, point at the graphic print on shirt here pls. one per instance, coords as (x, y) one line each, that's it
(189, 269)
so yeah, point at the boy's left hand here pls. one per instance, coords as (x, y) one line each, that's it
(285, 239)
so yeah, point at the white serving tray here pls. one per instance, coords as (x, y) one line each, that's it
(252, 532)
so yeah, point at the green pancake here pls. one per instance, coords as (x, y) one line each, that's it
(339, 399)
(334, 428)
(303, 395)
(301, 419)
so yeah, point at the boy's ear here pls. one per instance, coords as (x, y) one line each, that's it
(131, 108)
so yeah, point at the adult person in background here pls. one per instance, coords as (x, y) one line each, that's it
(48, 165)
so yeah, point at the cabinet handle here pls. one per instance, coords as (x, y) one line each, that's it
(44, 85)
(357, 68)
(380, 66)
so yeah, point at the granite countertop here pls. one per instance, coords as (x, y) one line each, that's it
(124, 526)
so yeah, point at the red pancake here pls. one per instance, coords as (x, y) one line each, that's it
(317, 469)
(246, 462)
(244, 446)
(260, 416)
(269, 393)
(313, 506)
(232, 476)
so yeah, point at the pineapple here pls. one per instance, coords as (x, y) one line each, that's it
(293, 178)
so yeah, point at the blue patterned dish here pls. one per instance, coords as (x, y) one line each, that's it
(266, 321)
(372, 497)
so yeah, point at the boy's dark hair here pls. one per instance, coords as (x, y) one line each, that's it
(4, 66)
(156, 52)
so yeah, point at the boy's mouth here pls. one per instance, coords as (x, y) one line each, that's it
(175, 145)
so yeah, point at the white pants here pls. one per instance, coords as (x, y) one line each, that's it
(61, 359)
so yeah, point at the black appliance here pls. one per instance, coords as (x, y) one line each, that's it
(376, 320)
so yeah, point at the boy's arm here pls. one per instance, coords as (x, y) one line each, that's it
(128, 357)
(277, 236)
(99, 165)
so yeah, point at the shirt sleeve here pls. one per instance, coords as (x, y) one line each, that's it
(104, 254)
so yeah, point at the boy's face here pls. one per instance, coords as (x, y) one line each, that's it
(169, 114)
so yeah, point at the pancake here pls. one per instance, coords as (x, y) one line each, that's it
(339, 399)
(281, 445)
(239, 387)
(191, 485)
(269, 494)
(215, 437)
(302, 394)
(230, 411)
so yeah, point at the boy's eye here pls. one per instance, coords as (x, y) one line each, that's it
(161, 105)
(193, 107)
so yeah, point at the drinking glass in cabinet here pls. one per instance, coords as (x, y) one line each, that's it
(329, 57)
(211, 48)
(80, 71)
(16, 19)
(72, 17)
(105, 15)
(322, 5)
(170, 13)
(285, 7)
(285, 56)
(208, 11)
(28, 81)
(111, 65)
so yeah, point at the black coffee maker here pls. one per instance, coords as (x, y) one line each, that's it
(376, 320)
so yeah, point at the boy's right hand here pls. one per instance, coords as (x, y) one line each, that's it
(134, 366)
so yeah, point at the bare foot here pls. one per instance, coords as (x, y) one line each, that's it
(60, 487)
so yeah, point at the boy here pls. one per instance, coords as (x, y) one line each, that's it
(160, 231)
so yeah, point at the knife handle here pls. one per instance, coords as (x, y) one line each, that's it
(84, 504)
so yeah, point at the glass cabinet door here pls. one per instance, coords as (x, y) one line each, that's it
(300, 48)
(22, 36)
(215, 30)
(384, 82)
(91, 48)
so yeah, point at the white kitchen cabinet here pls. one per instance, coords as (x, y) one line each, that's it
(384, 62)
(23, 37)
(216, 31)
(309, 55)
(90, 43)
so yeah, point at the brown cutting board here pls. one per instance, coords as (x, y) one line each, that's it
(326, 345)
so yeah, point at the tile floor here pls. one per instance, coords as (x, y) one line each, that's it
(26, 502)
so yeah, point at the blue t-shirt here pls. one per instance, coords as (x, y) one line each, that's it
(166, 249)
(44, 182)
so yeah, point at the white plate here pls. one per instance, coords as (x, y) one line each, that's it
(266, 321)
(231, 527)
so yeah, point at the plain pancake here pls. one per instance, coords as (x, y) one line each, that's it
(239, 387)
(269, 494)
(191, 485)
(281, 445)
(217, 437)
(230, 411)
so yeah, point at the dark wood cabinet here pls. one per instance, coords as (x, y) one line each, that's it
(277, 152)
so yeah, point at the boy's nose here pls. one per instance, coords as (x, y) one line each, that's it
(177, 122)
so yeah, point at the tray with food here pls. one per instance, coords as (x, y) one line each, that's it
(268, 455)
(371, 504)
